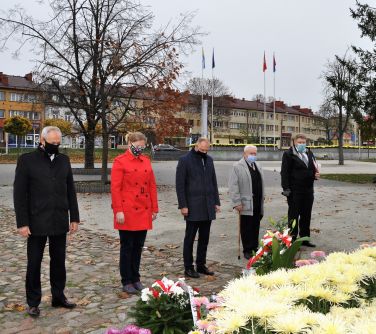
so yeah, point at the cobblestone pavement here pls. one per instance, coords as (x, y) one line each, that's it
(92, 282)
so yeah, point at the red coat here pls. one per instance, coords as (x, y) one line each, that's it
(133, 191)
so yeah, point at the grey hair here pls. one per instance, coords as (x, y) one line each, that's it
(46, 130)
(247, 147)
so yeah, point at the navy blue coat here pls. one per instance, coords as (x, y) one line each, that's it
(196, 186)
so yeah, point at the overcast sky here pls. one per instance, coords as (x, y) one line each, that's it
(304, 34)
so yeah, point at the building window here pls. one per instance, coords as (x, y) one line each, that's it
(2, 113)
(2, 96)
(198, 122)
(15, 97)
(27, 114)
(190, 122)
(217, 141)
(218, 124)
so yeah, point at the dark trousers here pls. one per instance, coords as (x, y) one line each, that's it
(249, 231)
(131, 244)
(191, 228)
(35, 249)
(300, 209)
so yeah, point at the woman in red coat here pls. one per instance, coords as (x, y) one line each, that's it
(135, 206)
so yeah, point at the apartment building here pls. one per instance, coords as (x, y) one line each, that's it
(19, 96)
(238, 121)
(235, 121)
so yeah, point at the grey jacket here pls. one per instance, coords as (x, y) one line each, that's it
(240, 187)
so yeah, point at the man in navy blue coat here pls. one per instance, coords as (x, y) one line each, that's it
(198, 199)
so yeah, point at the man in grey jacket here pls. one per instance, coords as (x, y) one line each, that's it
(246, 188)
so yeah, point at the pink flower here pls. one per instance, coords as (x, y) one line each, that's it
(318, 254)
(312, 261)
(130, 329)
(198, 301)
(113, 331)
(202, 324)
(144, 331)
(301, 263)
(211, 306)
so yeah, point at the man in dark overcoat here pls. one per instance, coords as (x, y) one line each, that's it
(46, 207)
(299, 170)
(198, 200)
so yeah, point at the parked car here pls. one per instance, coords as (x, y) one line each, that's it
(165, 147)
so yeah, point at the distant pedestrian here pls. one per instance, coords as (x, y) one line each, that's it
(298, 172)
(135, 206)
(198, 199)
(46, 208)
(246, 188)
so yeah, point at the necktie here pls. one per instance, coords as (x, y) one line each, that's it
(305, 159)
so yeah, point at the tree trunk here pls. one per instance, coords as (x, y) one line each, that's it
(104, 172)
(89, 151)
(341, 160)
(340, 137)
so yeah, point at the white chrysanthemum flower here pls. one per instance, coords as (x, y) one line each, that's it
(146, 294)
(177, 290)
(331, 325)
(230, 322)
(290, 322)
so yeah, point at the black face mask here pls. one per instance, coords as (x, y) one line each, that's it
(51, 148)
(202, 154)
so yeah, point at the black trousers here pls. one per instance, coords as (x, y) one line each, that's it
(191, 228)
(249, 231)
(131, 244)
(300, 209)
(35, 249)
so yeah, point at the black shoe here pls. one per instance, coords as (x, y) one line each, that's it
(247, 255)
(63, 303)
(33, 311)
(138, 286)
(308, 244)
(191, 273)
(204, 270)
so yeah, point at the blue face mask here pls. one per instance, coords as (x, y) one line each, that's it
(301, 148)
(251, 158)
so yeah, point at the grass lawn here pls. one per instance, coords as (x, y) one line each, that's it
(353, 178)
(369, 160)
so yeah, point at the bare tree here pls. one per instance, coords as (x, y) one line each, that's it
(342, 88)
(93, 51)
(328, 113)
(197, 86)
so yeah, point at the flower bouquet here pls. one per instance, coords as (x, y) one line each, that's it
(277, 250)
(164, 308)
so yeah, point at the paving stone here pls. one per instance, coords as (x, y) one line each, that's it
(92, 279)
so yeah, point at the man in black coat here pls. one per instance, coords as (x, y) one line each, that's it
(298, 172)
(198, 199)
(46, 207)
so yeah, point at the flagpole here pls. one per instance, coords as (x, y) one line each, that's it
(212, 111)
(212, 108)
(274, 100)
(202, 89)
(264, 113)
